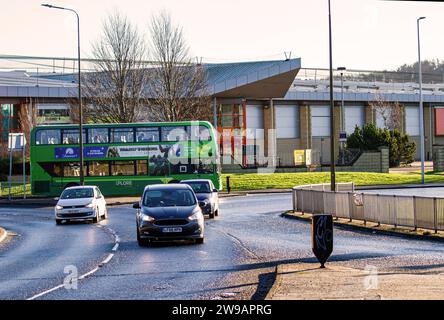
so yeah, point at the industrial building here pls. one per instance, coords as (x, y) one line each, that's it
(249, 99)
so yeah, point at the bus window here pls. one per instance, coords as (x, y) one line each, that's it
(142, 167)
(204, 134)
(48, 136)
(71, 136)
(147, 134)
(72, 169)
(122, 168)
(122, 135)
(196, 133)
(98, 135)
(174, 134)
(53, 169)
(98, 168)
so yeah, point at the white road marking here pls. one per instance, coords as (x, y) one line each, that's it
(110, 256)
(83, 276)
(46, 292)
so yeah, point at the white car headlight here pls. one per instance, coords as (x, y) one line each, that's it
(90, 205)
(58, 207)
(147, 218)
(196, 216)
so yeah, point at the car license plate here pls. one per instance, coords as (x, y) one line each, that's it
(72, 211)
(169, 230)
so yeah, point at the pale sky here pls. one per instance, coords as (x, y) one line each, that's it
(367, 34)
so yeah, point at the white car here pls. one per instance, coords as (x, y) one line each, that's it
(81, 203)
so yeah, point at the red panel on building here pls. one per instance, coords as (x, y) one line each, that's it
(439, 121)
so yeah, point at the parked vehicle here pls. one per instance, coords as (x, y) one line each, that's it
(207, 195)
(169, 212)
(81, 203)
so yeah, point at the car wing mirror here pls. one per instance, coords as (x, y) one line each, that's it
(215, 190)
(136, 205)
(56, 199)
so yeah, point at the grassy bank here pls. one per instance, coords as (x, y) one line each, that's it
(289, 180)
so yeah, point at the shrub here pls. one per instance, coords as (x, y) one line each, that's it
(401, 149)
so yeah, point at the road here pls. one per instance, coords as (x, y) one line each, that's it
(242, 248)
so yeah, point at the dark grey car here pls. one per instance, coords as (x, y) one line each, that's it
(207, 195)
(169, 212)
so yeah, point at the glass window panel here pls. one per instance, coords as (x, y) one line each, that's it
(122, 168)
(147, 134)
(142, 167)
(71, 136)
(48, 137)
(174, 134)
(72, 169)
(98, 135)
(198, 132)
(98, 168)
(120, 135)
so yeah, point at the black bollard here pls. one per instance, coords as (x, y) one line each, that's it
(228, 184)
(322, 237)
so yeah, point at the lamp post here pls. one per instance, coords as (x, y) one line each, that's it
(80, 88)
(342, 125)
(332, 120)
(421, 109)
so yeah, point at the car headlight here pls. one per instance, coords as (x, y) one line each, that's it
(58, 207)
(204, 203)
(196, 216)
(90, 205)
(147, 218)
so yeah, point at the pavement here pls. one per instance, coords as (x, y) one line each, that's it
(414, 166)
(306, 281)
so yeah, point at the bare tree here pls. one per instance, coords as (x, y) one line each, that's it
(392, 113)
(178, 86)
(115, 92)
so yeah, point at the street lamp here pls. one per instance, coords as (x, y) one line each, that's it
(342, 125)
(421, 109)
(332, 119)
(80, 88)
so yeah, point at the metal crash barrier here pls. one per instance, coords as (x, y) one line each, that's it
(397, 210)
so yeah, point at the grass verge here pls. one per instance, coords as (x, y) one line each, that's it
(256, 181)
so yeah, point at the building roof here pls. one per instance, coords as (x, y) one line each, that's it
(19, 83)
(260, 79)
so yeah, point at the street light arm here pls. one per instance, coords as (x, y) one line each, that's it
(79, 87)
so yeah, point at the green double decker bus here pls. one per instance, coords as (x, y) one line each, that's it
(123, 158)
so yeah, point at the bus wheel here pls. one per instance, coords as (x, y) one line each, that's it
(71, 184)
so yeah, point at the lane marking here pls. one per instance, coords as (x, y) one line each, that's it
(83, 276)
(110, 256)
(91, 272)
(46, 292)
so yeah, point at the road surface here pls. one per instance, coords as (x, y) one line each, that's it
(237, 260)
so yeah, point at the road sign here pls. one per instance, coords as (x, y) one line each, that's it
(342, 136)
(322, 237)
(16, 141)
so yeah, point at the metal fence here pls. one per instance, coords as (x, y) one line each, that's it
(397, 210)
(16, 189)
